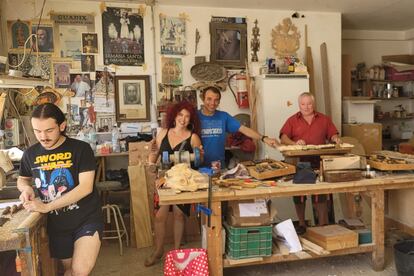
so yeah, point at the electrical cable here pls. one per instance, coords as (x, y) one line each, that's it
(231, 89)
(36, 41)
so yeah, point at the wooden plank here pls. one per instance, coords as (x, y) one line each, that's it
(283, 248)
(308, 245)
(325, 79)
(140, 206)
(293, 153)
(214, 241)
(377, 206)
(2, 104)
(303, 255)
(390, 167)
(277, 258)
(244, 261)
(346, 75)
(132, 238)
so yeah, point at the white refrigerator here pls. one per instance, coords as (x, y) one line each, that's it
(277, 99)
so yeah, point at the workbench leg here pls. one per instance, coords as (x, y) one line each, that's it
(377, 207)
(214, 241)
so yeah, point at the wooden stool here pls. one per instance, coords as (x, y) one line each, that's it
(112, 210)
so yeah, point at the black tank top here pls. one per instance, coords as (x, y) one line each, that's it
(166, 146)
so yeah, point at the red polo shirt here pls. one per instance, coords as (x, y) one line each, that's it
(317, 132)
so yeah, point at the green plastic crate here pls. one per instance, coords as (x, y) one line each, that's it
(248, 242)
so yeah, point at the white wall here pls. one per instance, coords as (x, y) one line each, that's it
(322, 27)
(370, 46)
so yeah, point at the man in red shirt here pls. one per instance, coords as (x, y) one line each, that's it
(309, 127)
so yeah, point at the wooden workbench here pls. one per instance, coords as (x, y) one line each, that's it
(373, 187)
(26, 233)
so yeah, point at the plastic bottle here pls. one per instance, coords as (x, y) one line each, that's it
(92, 138)
(115, 139)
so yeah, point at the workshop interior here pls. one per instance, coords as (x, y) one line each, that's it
(206, 138)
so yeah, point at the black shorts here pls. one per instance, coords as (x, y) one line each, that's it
(315, 199)
(61, 245)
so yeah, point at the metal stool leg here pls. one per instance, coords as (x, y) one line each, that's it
(115, 211)
(117, 228)
(123, 224)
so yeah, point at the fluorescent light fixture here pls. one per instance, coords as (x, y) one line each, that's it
(16, 82)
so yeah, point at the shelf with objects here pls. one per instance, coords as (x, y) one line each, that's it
(380, 94)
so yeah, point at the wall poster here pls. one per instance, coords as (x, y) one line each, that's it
(18, 32)
(68, 32)
(61, 72)
(123, 37)
(172, 69)
(44, 40)
(173, 41)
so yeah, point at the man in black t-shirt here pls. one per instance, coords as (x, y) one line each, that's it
(63, 171)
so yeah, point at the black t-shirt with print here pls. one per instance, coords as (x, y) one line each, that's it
(56, 172)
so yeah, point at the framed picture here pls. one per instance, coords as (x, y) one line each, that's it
(18, 32)
(61, 72)
(44, 34)
(132, 98)
(123, 37)
(68, 30)
(88, 63)
(172, 33)
(89, 43)
(228, 44)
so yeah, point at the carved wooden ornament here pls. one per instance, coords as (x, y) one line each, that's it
(285, 38)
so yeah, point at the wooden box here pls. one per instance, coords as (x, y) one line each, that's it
(342, 175)
(332, 237)
(278, 168)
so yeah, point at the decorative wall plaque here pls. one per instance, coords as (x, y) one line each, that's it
(285, 39)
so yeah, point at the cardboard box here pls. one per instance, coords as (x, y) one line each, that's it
(235, 219)
(407, 59)
(343, 162)
(332, 237)
(369, 135)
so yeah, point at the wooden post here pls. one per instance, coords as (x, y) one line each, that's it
(214, 241)
(325, 79)
(377, 206)
(140, 206)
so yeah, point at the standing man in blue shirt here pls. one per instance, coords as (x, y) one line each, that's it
(215, 124)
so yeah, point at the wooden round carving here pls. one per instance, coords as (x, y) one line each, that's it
(208, 72)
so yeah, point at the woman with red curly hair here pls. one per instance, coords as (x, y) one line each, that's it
(182, 133)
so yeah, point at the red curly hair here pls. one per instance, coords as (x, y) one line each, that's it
(174, 109)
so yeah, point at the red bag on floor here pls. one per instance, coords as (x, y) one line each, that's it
(186, 262)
